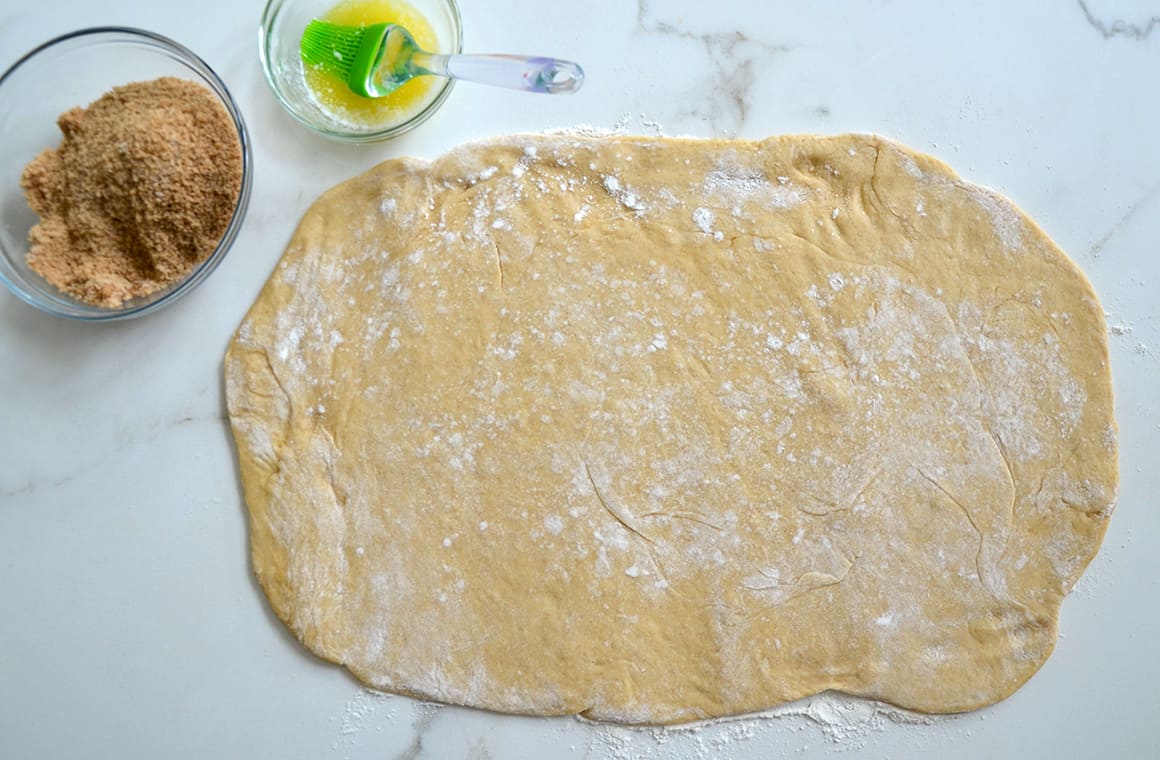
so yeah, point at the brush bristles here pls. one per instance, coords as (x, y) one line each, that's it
(331, 47)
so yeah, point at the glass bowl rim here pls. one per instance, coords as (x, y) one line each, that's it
(78, 310)
(270, 12)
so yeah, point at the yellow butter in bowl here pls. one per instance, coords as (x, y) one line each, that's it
(335, 98)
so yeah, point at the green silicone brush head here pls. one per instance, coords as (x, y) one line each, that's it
(349, 52)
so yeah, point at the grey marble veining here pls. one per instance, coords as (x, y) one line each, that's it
(734, 62)
(1143, 202)
(1117, 27)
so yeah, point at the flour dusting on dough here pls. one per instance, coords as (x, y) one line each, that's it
(1004, 218)
(733, 182)
(697, 427)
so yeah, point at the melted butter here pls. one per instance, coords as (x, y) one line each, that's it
(333, 95)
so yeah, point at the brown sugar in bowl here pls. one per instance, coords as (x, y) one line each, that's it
(174, 256)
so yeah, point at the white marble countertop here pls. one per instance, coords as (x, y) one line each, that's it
(130, 624)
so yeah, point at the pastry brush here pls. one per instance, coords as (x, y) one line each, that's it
(375, 60)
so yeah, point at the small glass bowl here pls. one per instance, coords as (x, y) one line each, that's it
(279, 40)
(74, 70)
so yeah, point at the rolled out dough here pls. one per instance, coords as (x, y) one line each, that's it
(656, 430)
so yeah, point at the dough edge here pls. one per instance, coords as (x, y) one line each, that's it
(270, 569)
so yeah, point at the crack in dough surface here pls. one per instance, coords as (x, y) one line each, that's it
(658, 430)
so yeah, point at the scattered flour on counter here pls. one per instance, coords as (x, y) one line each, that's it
(590, 130)
(654, 126)
(1120, 329)
(844, 721)
(849, 720)
(358, 710)
(622, 126)
(582, 130)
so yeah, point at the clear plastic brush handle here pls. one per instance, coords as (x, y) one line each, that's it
(537, 74)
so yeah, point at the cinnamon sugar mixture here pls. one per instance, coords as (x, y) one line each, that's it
(139, 192)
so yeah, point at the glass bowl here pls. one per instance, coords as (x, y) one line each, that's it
(74, 70)
(280, 37)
